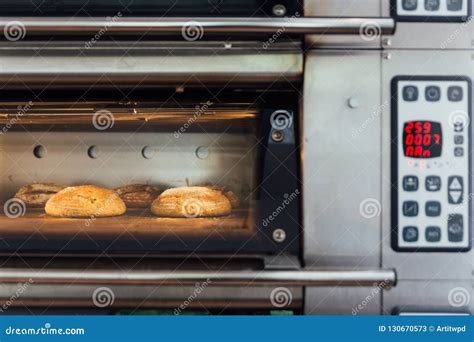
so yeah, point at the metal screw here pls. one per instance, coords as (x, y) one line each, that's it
(279, 235)
(387, 55)
(353, 102)
(387, 42)
(279, 10)
(202, 152)
(278, 136)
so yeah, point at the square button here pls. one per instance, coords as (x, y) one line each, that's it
(433, 208)
(432, 93)
(455, 94)
(433, 183)
(410, 208)
(458, 152)
(458, 139)
(432, 5)
(454, 5)
(410, 234)
(410, 183)
(410, 5)
(410, 93)
(433, 234)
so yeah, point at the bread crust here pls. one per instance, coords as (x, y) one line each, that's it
(191, 202)
(231, 196)
(85, 201)
(37, 194)
(138, 195)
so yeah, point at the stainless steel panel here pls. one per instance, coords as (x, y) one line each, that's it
(48, 64)
(369, 35)
(425, 35)
(430, 296)
(455, 266)
(180, 299)
(199, 25)
(343, 301)
(341, 159)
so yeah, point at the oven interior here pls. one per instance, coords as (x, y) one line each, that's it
(154, 137)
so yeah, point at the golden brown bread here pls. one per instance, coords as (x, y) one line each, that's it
(138, 195)
(234, 200)
(191, 202)
(85, 201)
(36, 195)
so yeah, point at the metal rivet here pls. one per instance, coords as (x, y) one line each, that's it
(353, 102)
(278, 136)
(148, 152)
(279, 10)
(202, 152)
(279, 235)
(387, 55)
(387, 42)
(39, 151)
(93, 152)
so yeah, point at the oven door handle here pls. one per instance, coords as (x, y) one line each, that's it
(385, 278)
(195, 28)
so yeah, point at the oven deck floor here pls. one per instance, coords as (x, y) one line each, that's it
(139, 223)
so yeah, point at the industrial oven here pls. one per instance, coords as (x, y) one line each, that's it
(343, 127)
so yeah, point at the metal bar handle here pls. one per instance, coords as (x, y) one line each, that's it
(195, 27)
(379, 277)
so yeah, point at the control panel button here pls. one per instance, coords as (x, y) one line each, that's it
(432, 5)
(410, 208)
(455, 189)
(432, 93)
(455, 228)
(433, 234)
(410, 5)
(410, 234)
(433, 183)
(455, 94)
(458, 152)
(459, 125)
(433, 208)
(459, 139)
(454, 5)
(410, 183)
(410, 93)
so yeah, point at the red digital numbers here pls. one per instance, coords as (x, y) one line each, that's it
(422, 139)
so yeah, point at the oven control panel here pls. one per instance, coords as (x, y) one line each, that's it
(431, 161)
(431, 10)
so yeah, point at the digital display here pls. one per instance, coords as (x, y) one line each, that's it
(422, 139)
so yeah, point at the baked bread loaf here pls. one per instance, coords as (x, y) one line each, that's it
(191, 202)
(36, 195)
(85, 201)
(234, 200)
(138, 195)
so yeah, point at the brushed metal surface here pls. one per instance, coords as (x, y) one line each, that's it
(307, 25)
